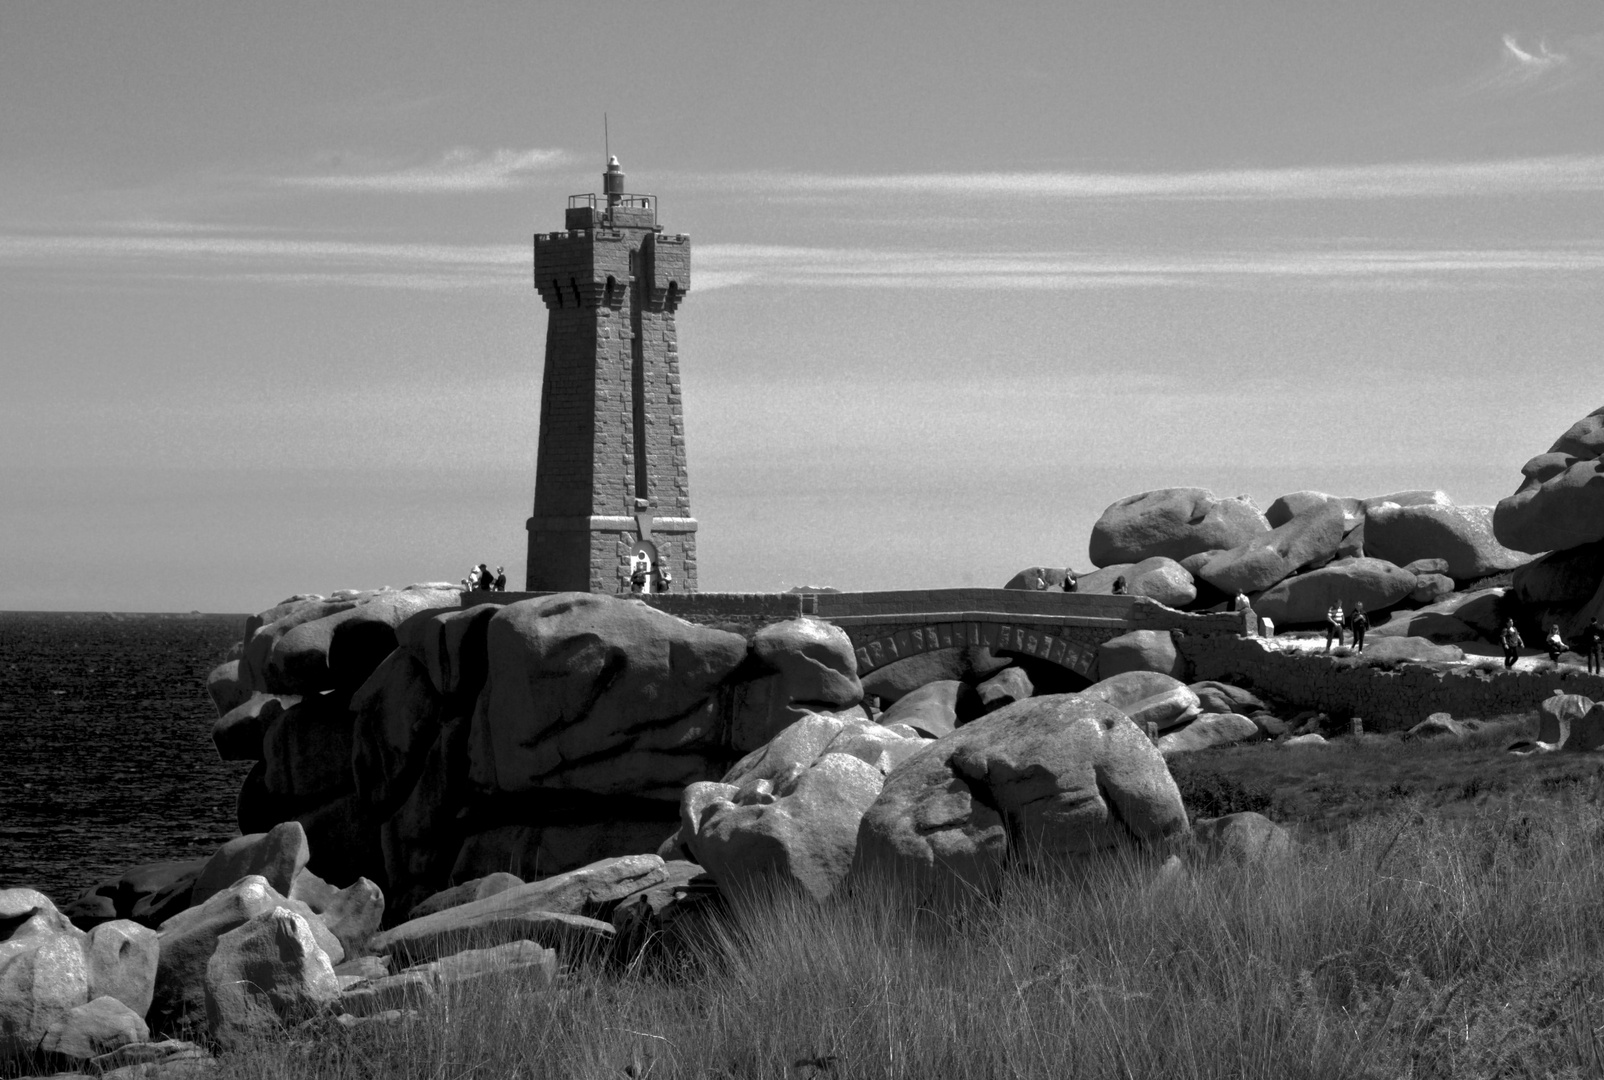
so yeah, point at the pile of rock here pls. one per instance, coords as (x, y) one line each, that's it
(1559, 509)
(1189, 549)
(420, 743)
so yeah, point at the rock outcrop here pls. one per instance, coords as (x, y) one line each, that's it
(1560, 504)
(1461, 536)
(1304, 599)
(1173, 523)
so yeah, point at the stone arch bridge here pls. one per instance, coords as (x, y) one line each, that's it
(1059, 627)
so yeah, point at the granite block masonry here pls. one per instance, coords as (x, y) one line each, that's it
(610, 478)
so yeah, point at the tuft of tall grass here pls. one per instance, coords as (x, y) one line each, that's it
(1408, 944)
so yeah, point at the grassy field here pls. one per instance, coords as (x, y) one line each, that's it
(1443, 916)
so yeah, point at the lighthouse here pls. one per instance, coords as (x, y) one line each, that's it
(611, 487)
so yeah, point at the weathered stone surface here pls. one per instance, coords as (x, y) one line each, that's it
(1421, 567)
(1245, 837)
(1310, 538)
(307, 749)
(396, 718)
(1438, 724)
(1353, 543)
(532, 964)
(667, 916)
(122, 957)
(1460, 617)
(1004, 688)
(1460, 535)
(1560, 503)
(352, 914)
(1561, 578)
(1130, 687)
(368, 634)
(1412, 497)
(1219, 697)
(1430, 588)
(1033, 780)
(1158, 578)
(264, 974)
(1140, 650)
(590, 693)
(1212, 729)
(450, 646)
(815, 659)
(495, 920)
(1434, 626)
(1304, 598)
(1172, 522)
(1166, 710)
(147, 894)
(169, 1059)
(238, 733)
(224, 686)
(44, 974)
(901, 677)
(189, 938)
(935, 709)
(1587, 730)
(286, 659)
(467, 892)
(276, 855)
(1556, 715)
(1311, 739)
(92, 1029)
(1298, 503)
(801, 831)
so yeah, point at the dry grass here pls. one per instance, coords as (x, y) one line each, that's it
(1410, 943)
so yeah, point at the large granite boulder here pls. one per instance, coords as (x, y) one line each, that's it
(1004, 688)
(798, 667)
(264, 974)
(188, 939)
(225, 688)
(1129, 687)
(1209, 730)
(1172, 522)
(1157, 578)
(809, 739)
(1470, 616)
(44, 973)
(1460, 535)
(590, 693)
(1560, 504)
(1140, 650)
(98, 1027)
(1050, 777)
(1220, 697)
(306, 750)
(1309, 538)
(148, 894)
(1557, 714)
(1304, 598)
(239, 733)
(276, 855)
(936, 709)
(800, 831)
(1301, 503)
(396, 718)
(466, 893)
(450, 645)
(969, 664)
(1566, 578)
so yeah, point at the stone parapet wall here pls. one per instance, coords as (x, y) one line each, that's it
(1387, 700)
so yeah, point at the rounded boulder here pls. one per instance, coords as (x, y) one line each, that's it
(1560, 503)
(1174, 523)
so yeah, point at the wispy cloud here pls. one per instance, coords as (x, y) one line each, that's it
(1530, 66)
(301, 262)
(1515, 176)
(458, 170)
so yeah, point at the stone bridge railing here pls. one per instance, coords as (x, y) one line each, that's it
(1062, 628)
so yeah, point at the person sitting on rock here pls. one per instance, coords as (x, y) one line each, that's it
(1071, 582)
(1591, 639)
(1119, 586)
(1554, 644)
(1360, 623)
(1334, 625)
(500, 584)
(1512, 643)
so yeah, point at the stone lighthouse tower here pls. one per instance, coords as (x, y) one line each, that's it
(610, 482)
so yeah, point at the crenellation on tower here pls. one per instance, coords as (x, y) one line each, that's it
(611, 482)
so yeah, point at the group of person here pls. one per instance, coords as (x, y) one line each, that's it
(480, 579)
(1589, 644)
(1071, 583)
(641, 574)
(1336, 622)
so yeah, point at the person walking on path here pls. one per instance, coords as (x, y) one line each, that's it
(1591, 639)
(1512, 644)
(1360, 623)
(1334, 625)
(1071, 582)
(1554, 644)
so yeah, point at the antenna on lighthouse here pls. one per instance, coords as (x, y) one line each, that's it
(607, 142)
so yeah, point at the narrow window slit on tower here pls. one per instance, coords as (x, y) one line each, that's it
(573, 283)
(638, 381)
(556, 291)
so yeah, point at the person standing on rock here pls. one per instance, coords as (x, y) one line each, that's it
(501, 579)
(1591, 639)
(484, 578)
(1360, 624)
(1240, 602)
(638, 576)
(1334, 625)
(664, 578)
(1119, 586)
(1512, 644)
(1071, 582)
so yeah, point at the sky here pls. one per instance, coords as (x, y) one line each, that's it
(962, 274)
